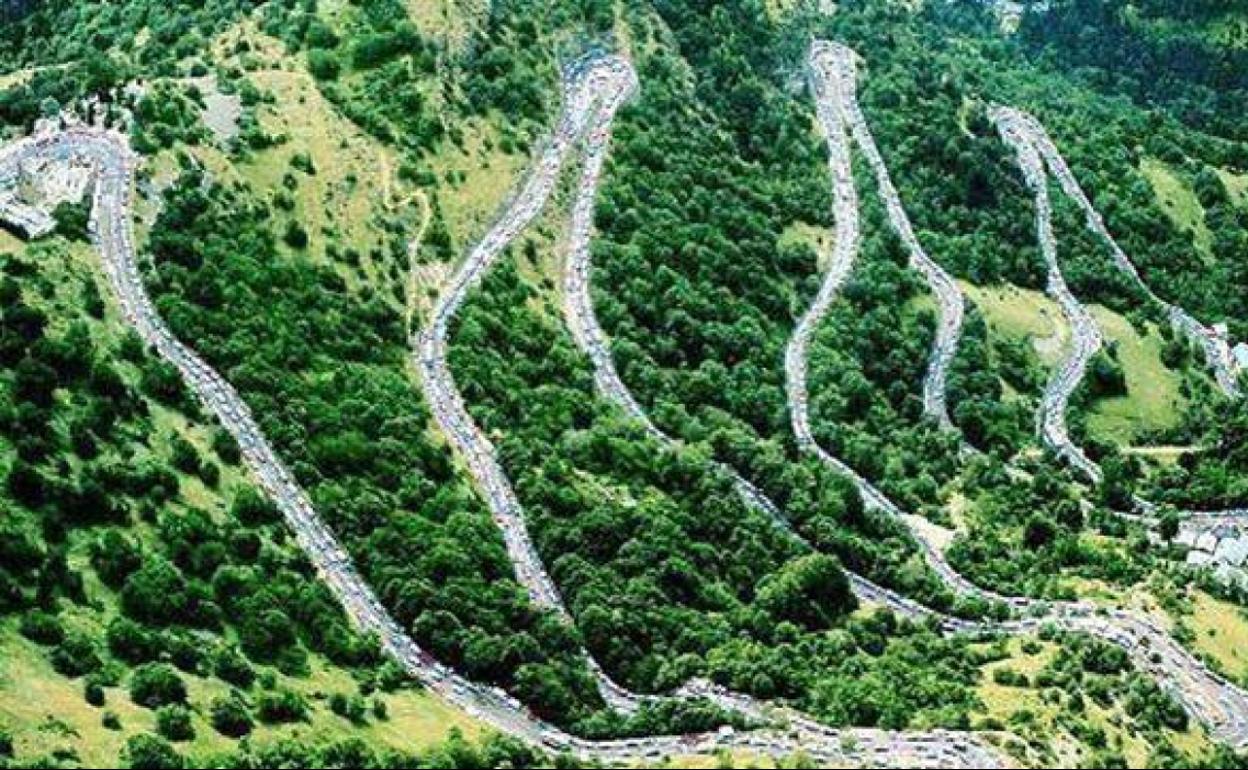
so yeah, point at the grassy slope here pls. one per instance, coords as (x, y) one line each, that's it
(1179, 203)
(356, 193)
(1221, 633)
(1032, 711)
(47, 712)
(473, 181)
(1023, 314)
(451, 20)
(1153, 399)
(354, 185)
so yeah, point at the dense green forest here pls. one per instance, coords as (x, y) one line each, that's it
(139, 563)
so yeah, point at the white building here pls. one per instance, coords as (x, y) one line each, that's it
(28, 221)
(39, 185)
(1239, 356)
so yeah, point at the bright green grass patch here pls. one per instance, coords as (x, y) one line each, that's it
(1236, 185)
(778, 10)
(46, 713)
(351, 189)
(819, 239)
(1040, 719)
(9, 242)
(22, 76)
(1154, 400)
(1179, 203)
(475, 178)
(1022, 314)
(341, 194)
(15, 78)
(1221, 632)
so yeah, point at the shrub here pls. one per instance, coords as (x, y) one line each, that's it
(42, 627)
(156, 593)
(155, 685)
(115, 557)
(131, 642)
(811, 591)
(296, 237)
(230, 666)
(151, 751)
(323, 65)
(282, 706)
(349, 707)
(75, 656)
(1008, 677)
(174, 723)
(71, 220)
(230, 716)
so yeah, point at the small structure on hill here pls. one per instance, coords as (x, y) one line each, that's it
(32, 190)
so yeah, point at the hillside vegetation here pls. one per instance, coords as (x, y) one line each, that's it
(314, 171)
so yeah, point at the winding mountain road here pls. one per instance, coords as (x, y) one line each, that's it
(842, 105)
(1220, 705)
(832, 76)
(1023, 128)
(596, 88)
(593, 91)
(582, 322)
(1085, 335)
(1038, 159)
(110, 161)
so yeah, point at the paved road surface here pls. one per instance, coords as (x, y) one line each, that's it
(1219, 704)
(1038, 158)
(593, 91)
(840, 104)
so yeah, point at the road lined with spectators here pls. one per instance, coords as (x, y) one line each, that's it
(112, 165)
(832, 76)
(1219, 704)
(583, 322)
(593, 91)
(1038, 159)
(1025, 128)
(111, 228)
(951, 306)
(590, 338)
(1085, 335)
